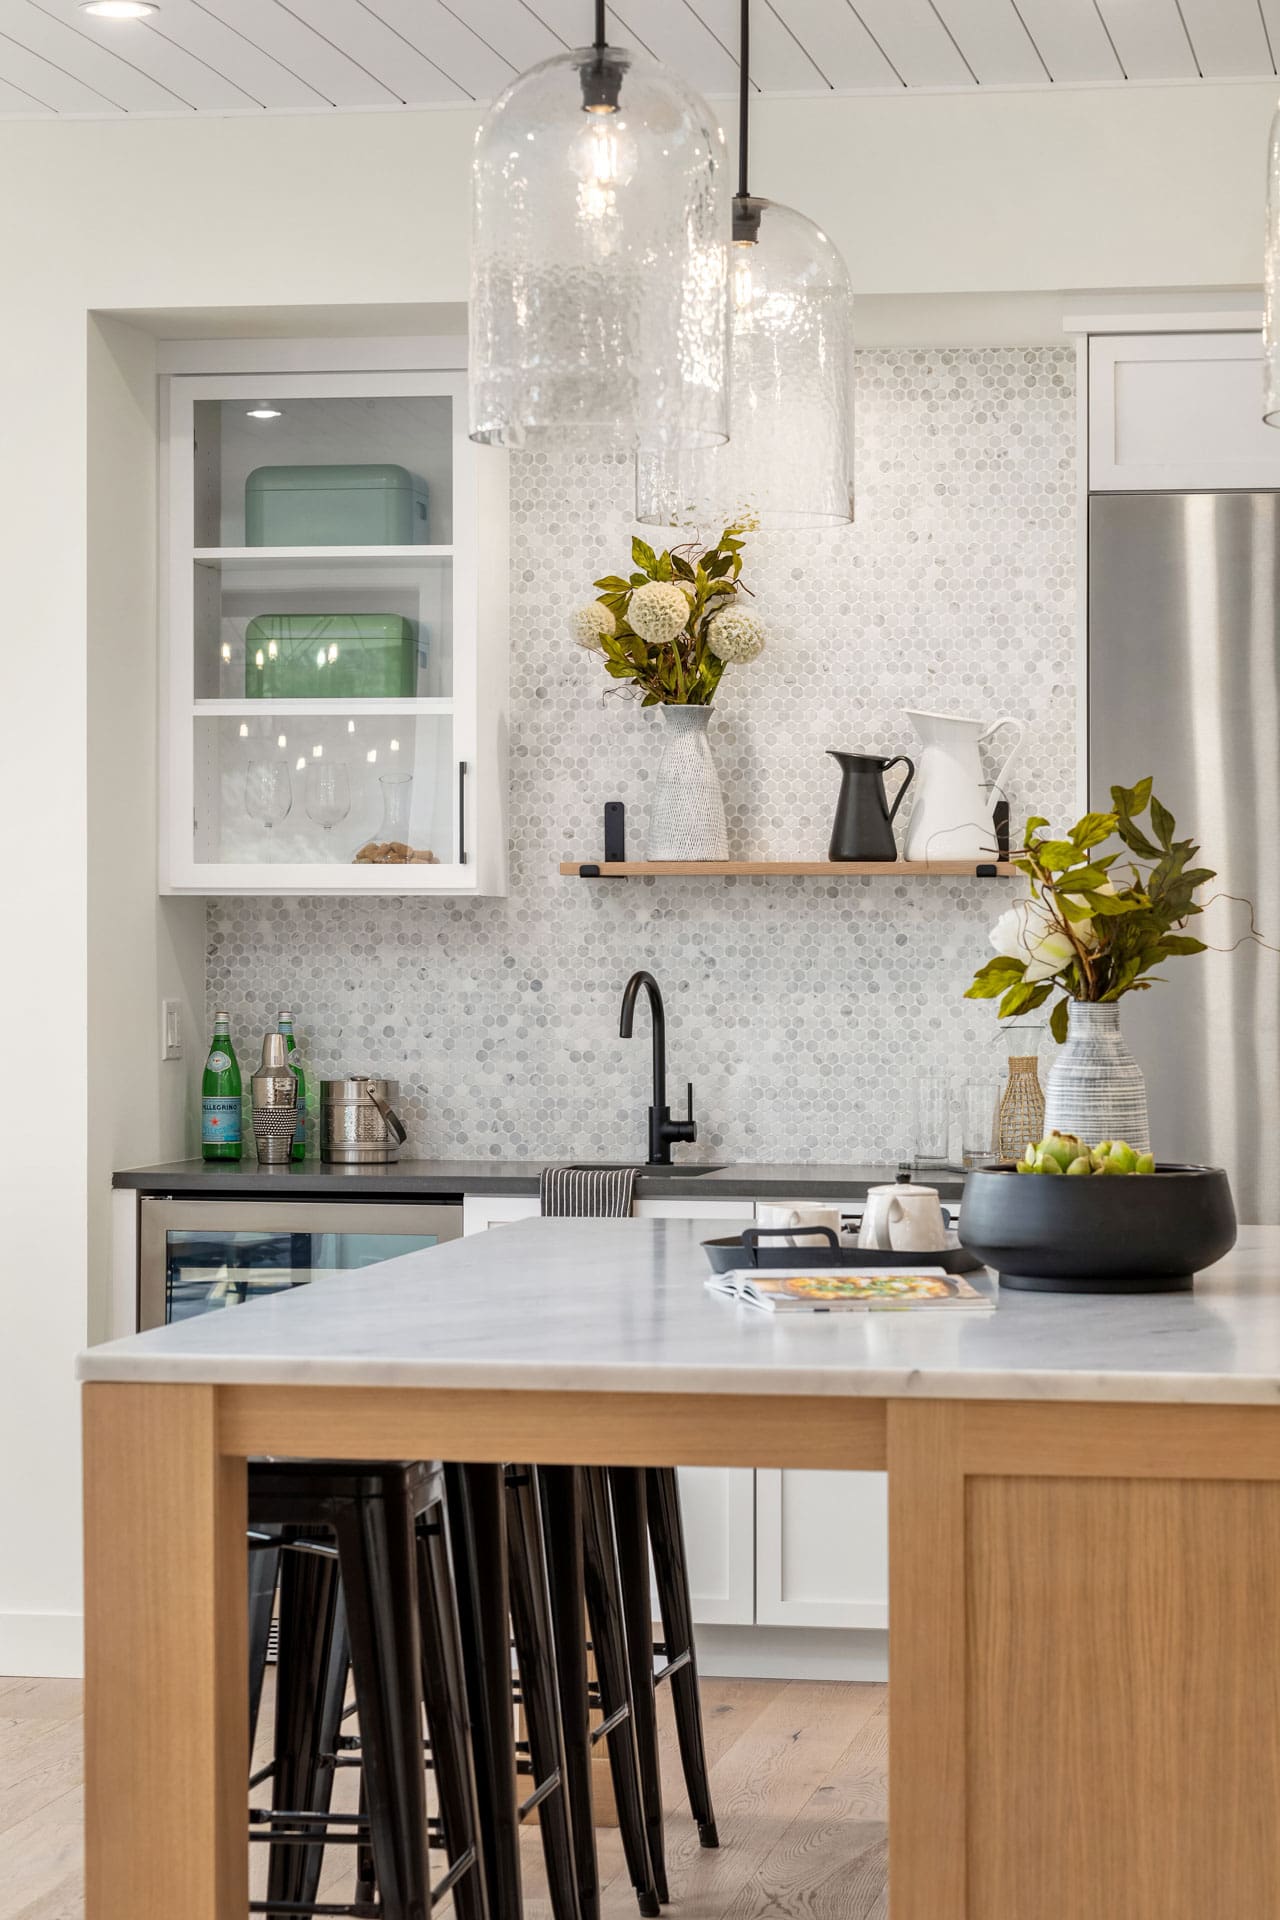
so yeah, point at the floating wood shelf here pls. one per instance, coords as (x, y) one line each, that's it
(780, 869)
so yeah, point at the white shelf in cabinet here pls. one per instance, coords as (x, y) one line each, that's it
(321, 556)
(405, 707)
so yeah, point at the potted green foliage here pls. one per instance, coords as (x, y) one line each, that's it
(1098, 922)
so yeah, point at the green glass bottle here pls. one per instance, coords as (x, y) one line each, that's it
(220, 1118)
(284, 1025)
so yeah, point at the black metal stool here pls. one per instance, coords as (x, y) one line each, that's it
(583, 1561)
(381, 1595)
(502, 1584)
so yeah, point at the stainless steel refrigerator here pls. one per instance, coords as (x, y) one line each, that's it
(1184, 684)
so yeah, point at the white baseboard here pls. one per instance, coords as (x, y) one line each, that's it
(43, 1645)
(793, 1653)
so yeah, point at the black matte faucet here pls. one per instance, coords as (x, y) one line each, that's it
(662, 1128)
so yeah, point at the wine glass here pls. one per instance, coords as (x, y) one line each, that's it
(268, 793)
(328, 792)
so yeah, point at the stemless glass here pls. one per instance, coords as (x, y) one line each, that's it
(931, 1139)
(328, 792)
(979, 1106)
(268, 794)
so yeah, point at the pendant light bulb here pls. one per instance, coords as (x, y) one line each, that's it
(789, 461)
(599, 259)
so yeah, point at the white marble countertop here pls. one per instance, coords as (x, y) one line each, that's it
(621, 1305)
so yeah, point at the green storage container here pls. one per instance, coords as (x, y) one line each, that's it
(330, 656)
(373, 506)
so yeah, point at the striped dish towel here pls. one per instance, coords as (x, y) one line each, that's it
(588, 1193)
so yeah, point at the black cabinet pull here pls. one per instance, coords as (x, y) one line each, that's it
(462, 813)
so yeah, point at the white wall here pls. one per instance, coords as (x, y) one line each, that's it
(936, 194)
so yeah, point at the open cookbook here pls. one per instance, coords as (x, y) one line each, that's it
(850, 1290)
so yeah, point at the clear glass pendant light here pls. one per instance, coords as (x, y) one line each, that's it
(599, 258)
(1271, 284)
(789, 459)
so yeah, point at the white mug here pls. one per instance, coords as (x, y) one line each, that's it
(799, 1217)
(906, 1219)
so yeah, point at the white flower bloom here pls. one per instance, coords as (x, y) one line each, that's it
(736, 636)
(1029, 932)
(658, 611)
(590, 625)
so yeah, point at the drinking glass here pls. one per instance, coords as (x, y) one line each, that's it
(931, 1137)
(979, 1103)
(328, 792)
(268, 793)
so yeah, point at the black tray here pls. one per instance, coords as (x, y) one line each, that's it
(745, 1250)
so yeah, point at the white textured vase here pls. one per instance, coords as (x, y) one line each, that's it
(686, 814)
(1095, 1087)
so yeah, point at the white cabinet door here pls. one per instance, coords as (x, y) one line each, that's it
(335, 660)
(1173, 412)
(481, 1210)
(822, 1548)
(718, 1506)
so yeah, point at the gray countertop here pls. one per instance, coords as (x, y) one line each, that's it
(621, 1305)
(412, 1179)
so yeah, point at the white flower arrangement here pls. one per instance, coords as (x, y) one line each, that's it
(658, 612)
(591, 626)
(676, 622)
(736, 636)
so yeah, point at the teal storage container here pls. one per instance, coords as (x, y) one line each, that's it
(373, 506)
(330, 656)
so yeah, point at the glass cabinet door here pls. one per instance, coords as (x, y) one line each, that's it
(322, 633)
(201, 1256)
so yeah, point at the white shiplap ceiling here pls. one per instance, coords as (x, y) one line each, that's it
(253, 56)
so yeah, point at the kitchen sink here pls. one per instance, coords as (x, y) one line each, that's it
(689, 1171)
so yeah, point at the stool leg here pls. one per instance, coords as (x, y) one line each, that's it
(264, 1570)
(666, 1533)
(477, 1534)
(312, 1668)
(377, 1553)
(562, 1528)
(631, 1530)
(447, 1719)
(608, 1638)
(535, 1658)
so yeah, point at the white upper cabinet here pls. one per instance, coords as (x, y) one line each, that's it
(334, 707)
(1174, 412)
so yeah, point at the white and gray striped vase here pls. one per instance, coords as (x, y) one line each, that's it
(686, 813)
(1095, 1087)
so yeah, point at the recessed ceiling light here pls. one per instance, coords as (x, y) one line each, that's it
(264, 412)
(119, 9)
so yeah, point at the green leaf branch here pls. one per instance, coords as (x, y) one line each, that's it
(1096, 925)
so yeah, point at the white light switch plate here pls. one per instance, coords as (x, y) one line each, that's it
(171, 1029)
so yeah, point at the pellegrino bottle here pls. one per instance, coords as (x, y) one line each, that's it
(220, 1126)
(284, 1025)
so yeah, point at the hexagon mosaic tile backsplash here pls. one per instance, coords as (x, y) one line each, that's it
(803, 1010)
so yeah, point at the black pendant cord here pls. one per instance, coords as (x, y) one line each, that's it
(746, 211)
(600, 37)
(744, 95)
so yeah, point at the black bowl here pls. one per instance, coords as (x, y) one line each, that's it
(1108, 1233)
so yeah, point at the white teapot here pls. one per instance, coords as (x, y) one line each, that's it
(904, 1219)
(952, 817)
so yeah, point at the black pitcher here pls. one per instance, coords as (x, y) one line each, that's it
(863, 827)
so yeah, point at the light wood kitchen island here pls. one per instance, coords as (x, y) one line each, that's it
(1084, 1542)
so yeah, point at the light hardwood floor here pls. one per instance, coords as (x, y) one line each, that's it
(798, 1774)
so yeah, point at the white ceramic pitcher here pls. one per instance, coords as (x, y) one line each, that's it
(952, 816)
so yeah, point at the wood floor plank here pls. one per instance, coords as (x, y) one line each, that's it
(797, 1773)
(831, 1862)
